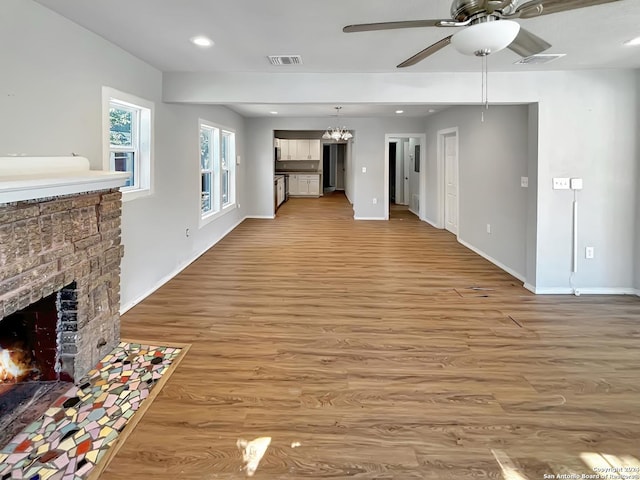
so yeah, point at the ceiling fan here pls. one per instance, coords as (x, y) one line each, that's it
(489, 26)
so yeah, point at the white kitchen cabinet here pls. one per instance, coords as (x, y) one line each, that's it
(307, 149)
(304, 185)
(285, 149)
(301, 149)
(293, 184)
(280, 194)
(314, 149)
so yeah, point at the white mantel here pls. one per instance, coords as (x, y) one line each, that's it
(29, 178)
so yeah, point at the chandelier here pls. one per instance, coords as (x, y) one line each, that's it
(337, 133)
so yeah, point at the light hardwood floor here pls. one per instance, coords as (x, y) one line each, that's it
(387, 350)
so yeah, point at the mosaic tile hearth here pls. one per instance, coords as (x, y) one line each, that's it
(71, 438)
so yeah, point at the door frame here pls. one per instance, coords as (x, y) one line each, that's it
(423, 167)
(442, 188)
(407, 166)
(395, 142)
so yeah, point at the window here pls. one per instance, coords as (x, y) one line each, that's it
(217, 170)
(127, 121)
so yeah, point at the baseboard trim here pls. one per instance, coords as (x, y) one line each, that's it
(369, 218)
(498, 264)
(582, 291)
(257, 217)
(432, 223)
(128, 306)
(415, 213)
(530, 287)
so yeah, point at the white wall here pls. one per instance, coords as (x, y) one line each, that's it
(368, 150)
(637, 242)
(349, 173)
(493, 155)
(50, 103)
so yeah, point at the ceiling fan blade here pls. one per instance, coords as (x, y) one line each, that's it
(368, 27)
(430, 50)
(527, 44)
(528, 9)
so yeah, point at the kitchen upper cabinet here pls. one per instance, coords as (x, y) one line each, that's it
(301, 149)
(308, 149)
(285, 149)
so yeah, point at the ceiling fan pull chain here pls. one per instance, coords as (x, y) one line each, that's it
(484, 100)
(486, 81)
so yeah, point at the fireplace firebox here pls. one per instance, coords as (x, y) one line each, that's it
(32, 339)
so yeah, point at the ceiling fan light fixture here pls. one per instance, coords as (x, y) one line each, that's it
(485, 38)
(633, 42)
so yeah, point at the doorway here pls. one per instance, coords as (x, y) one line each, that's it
(393, 152)
(333, 167)
(404, 177)
(448, 162)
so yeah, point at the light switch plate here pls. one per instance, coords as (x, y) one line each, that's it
(561, 184)
(524, 182)
(364, 169)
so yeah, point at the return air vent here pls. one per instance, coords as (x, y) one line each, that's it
(285, 59)
(540, 58)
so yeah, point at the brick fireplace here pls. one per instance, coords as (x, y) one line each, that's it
(65, 249)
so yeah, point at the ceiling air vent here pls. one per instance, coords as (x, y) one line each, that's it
(540, 58)
(285, 59)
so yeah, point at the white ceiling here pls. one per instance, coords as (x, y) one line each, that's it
(246, 31)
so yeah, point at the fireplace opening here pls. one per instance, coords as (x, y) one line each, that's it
(33, 345)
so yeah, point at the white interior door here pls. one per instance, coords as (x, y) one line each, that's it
(451, 182)
(406, 171)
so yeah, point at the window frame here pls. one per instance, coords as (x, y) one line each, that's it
(218, 207)
(143, 130)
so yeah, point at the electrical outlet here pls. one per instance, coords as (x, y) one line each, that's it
(561, 184)
(524, 182)
(364, 169)
(589, 253)
(375, 201)
(576, 184)
(488, 228)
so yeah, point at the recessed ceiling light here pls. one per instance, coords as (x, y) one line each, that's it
(431, 110)
(633, 42)
(202, 41)
(273, 113)
(399, 111)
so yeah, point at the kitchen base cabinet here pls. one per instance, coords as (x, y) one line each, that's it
(280, 191)
(304, 185)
